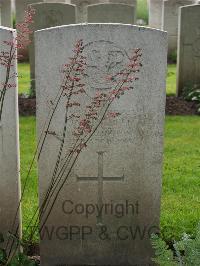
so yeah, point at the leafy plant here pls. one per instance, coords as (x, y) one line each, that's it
(192, 93)
(21, 259)
(163, 255)
(173, 57)
(8, 55)
(186, 251)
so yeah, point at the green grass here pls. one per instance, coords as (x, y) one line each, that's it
(27, 148)
(171, 80)
(181, 181)
(24, 79)
(142, 10)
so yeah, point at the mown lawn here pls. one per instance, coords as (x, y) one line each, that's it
(171, 80)
(24, 79)
(181, 180)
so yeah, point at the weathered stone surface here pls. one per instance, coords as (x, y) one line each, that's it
(81, 8)
(9, 146)
(170, 20)
(111, 13)
(58, 1)
(5, 13)
(81, 15)
(21, 7)
(155, 13)
(123, 161)
(188, 66)
(48, 15)
(127, 2)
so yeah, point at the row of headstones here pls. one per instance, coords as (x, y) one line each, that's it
(83, 12)
(137, 157)
(183, 36)
(163, 14)
(121, 166)
(49, 15)
(55, 14)
(133, 161)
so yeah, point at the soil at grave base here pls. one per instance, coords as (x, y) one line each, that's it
(178, 106)
(27, 106)
(174, 106)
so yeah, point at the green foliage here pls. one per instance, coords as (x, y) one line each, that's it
(187, 251)
(3, 256)
(171, 80)
(180, 210)
(142, 11)
(14, 22)
(24, 78)
(163, 255)
(21, 259)
(28, 146)
(172, 57)
(192, 93)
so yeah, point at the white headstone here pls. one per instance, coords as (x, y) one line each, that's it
(111, 13)
(58, 1)
(188, 66)
(81, 8)
(21, 7)
(5, 13)
(170, 20)
(126, 2)
(81, 14)
(123, 161)
(155, 13)
(48, 15)
(9, 145)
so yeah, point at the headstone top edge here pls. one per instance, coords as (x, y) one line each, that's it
(136, 27)
(51, 4)
(2, 28)
(111, 4)
(190, 6)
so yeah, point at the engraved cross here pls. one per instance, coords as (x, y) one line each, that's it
(100, 178)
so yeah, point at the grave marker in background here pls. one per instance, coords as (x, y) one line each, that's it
(127, 2)
(111, 13)
(48, 15)
(57, 1)
(155, 13)
(5, 13)
(123, 161)
(81, 15)
(170, 20)
(188, 66)
(81, 8)
(21, 7)
(9, 146)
